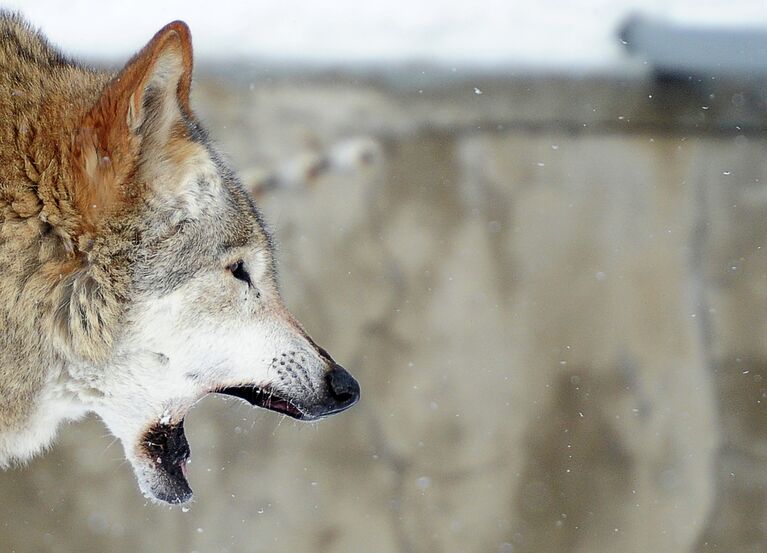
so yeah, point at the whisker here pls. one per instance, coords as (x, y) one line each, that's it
(279, 422)
(109, 445)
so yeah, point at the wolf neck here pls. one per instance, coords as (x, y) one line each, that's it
(41, 96)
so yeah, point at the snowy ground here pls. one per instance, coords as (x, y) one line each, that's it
(575, 34)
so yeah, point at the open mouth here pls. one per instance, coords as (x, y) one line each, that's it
(165, 448)
(266, 398)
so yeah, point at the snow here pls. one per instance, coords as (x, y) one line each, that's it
(549, 33)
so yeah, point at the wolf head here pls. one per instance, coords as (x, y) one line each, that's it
(168, 290)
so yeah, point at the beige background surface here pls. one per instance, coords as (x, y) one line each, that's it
(553, 292)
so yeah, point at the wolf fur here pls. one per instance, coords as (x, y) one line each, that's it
(136, 274)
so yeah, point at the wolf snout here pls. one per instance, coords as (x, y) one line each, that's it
(343, 389)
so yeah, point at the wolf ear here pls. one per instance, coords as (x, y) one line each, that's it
(139, 105)
(153, 86)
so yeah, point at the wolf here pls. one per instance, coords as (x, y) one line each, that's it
(136, 273)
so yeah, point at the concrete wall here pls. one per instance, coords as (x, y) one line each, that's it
(553, 292)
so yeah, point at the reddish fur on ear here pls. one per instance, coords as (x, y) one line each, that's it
(185, 82)
(106, 148)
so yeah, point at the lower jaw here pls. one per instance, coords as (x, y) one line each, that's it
(167, 451)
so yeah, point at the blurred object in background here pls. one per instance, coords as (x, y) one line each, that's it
(544, 256)
(683, 52)
(303, 169)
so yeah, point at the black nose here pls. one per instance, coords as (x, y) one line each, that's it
(343, 388)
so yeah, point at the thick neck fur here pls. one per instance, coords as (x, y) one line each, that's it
(48, 300)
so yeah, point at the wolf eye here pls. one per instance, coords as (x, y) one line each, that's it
(238, 271)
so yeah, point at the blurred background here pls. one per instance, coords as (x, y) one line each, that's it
(537, 234)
